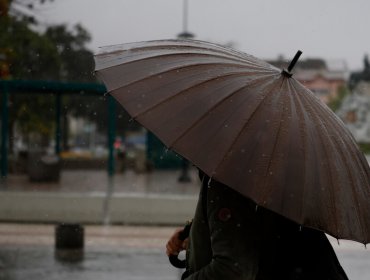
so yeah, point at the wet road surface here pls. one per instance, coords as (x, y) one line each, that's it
(111, 253)
(117, 253)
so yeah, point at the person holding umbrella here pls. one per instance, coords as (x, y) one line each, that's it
(232, 238)
(279, 168)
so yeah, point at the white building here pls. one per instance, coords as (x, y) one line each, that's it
(355, 112)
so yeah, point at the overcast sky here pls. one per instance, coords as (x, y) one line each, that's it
(331, 29)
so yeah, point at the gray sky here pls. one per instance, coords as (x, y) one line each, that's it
(331, 29)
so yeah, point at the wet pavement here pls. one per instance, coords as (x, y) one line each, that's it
(114, 252)
(95, 197)
(81, 181)
(27, 252)
(111, 252)
(117, 253)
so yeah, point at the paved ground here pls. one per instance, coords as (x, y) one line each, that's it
(163, 181)
(117, 253)
(111, 253)
(114, 252)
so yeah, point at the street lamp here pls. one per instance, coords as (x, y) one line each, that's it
(185, 34)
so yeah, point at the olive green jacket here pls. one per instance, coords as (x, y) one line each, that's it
(230, 239)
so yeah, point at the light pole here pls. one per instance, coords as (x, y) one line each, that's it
(185, 34)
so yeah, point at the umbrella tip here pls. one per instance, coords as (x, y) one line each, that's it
(288, 72)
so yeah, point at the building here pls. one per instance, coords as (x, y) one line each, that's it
(355, 108)
(355, 113)
(324, 78)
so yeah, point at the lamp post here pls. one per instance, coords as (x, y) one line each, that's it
(185, 34)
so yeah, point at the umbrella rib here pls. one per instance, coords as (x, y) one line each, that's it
(181, 92)
(216, 105)
(213, 48)
(219, 52)
(326, 152)
(241, 130)
(266, 193)
(347, 136)
(299, 111)
(354, 198)
(184, 67)
(236, 61)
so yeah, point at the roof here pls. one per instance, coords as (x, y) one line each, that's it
(311, 68)
(307, 64)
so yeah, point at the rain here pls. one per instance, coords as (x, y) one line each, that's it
(88, 191)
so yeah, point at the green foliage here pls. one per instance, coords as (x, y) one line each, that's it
(336, 103)
(365, 148)
(29, 54)
(59, 53)
(76, 61)
(30, 120)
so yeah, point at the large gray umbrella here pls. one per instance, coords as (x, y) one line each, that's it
(248, 125)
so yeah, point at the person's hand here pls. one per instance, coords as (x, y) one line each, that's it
(175, 245)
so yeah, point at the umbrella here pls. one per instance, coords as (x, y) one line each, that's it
(248, 125)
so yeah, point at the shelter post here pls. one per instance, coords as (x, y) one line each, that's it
(111, 133)
(4, 129)
(58, 104)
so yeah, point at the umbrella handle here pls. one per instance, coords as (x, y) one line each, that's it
(176, 262)
(174, 259)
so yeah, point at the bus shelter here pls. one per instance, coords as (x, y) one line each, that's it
(156, 153)
(57, 89)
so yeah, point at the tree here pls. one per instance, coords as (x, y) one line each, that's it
(76, 60)
(59, 53)
(336, 102)
(29, 54)
(56, 54)
(23, 10)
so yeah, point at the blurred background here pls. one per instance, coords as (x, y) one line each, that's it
(71, 155)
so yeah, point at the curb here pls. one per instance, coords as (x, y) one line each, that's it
(92, 208)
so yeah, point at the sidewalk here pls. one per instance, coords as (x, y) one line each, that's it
(118, 253)
(156, 198)
(129, 252)
(98, 181)
(111, 253)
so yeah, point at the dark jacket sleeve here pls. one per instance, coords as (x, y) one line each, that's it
(233, 237)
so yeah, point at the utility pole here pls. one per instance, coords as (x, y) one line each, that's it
(185, 34)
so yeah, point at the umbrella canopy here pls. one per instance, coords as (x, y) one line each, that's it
(248, 125)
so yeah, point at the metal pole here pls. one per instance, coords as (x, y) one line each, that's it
(185, 34)
(185, 16)
(184, 176)
(111, 169)
(111, 133)
(58, 104)
(4, 130)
